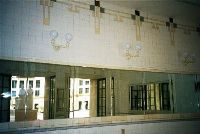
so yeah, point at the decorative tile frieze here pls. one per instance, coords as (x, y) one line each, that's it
(138, 23)
(46, 10)
(97, 14)
(171, 27)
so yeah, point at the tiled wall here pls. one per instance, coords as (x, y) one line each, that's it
(25, 38)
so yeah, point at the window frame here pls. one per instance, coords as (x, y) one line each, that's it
(86, 105)
(87, 82)
(87, 90)
(36, 84)
(146, 96)
(140, 91)
(79, 105)
(14, 94)
(37, 93)
(14, 84)
(80, 90)
(80, 82)
(20, 85)
(30, 81)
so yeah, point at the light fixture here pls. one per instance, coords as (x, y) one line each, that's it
(54, 35)
(131, 52)
(188, 58)
(68, 38)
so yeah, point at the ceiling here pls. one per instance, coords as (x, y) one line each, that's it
(185, 10)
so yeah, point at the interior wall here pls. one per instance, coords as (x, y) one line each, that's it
(24, 37)
(187, 98)
(46, 98)
(93, 98)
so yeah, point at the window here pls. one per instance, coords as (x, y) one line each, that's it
(101, 97)
(151, 100)
(86, 90)
(80, 82)
(30, 83)
(37, 83)
(80, 90)
(87, 82)
(197, 86)
(36, 106)
(14, 83)
(79, 105)
(138, 97)
(21, 84)
(165, 97)
(37, 93)
(86, 104)
(154, 96)
(13, 93)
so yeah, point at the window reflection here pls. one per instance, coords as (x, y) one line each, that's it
(37, 102)
(79, 97)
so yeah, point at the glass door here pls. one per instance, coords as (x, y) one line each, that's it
(101, 97)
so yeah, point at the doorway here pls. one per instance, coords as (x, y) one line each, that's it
(79, 98)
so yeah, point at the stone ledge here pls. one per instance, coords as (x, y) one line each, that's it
(59, 123)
